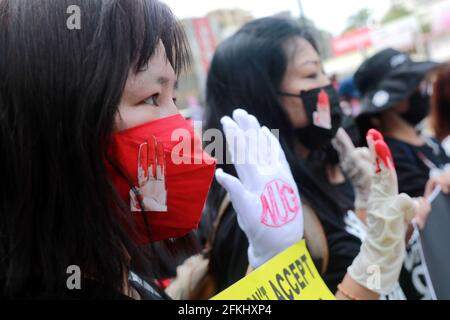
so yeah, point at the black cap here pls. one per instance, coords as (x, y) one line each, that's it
(387, 78)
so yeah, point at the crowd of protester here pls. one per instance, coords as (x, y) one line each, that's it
(94, 178)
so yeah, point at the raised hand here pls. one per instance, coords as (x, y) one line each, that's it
(378, 265)
(356, 164)
(265, 197)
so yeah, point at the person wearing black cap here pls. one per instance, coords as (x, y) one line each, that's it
(395, 98)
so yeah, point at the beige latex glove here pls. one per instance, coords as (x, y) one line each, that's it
(188, 276)
(378, 265)
(356, 165)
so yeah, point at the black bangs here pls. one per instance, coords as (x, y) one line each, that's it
(154, 22)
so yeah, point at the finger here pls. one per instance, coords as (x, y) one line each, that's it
(342, 142)
(160, 162)
(363, 153)
(142, 164)
(231, 184)
(386, 162)
(385, 178)
(237, 147)
(384, 153)
(251, 133)
(152, 157)
(255, 126)
(276, 153)
(429, 188)
(372, 151)
(241, 117)
(444, 184)
(407, 206)
(254, 123)
(234, 136)
(375, 135)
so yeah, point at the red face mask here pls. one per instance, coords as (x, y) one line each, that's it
(161, 170)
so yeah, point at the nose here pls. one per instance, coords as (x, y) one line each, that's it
(172, 108)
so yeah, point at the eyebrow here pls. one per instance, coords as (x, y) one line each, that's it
(315, 62)
(163, 81)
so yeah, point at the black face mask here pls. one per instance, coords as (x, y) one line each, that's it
(322, 106)
(419, 108)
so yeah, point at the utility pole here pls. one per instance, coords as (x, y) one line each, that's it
(302, 13)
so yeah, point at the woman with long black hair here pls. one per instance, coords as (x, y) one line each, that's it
(271, 67)
(63, 93)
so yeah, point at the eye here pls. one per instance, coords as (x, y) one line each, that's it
(153, 100)
(175, 101)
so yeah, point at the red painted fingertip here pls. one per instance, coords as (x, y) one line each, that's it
(384, 153)
(160, 152)
(324, 100)
(152, 155)
(143, 158)
(375, 135)
(160, 155)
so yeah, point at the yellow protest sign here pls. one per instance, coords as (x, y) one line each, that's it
(289, 276)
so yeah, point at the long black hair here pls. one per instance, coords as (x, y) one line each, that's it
(59, 94)
(246, 72)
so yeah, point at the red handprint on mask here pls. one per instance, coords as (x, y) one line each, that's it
(322, 117)
(152, 190)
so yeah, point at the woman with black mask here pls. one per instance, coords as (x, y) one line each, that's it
(272, 69)
(395, 98)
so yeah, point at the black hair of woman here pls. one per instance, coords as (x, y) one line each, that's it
(59, 95)
(247, 71)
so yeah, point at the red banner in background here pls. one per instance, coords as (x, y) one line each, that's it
(352, 41)
(206, 40)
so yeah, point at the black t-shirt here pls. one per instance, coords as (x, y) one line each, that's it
(413, 164)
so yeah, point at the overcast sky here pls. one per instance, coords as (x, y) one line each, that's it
(330, 15)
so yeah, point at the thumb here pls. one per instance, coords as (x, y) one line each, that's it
(231, 184)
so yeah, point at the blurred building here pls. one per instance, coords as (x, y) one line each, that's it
(413, 4)
(204, 34)
(229, 21)
(425, 34)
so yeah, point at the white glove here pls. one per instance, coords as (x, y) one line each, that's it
(356, 165)
(378, 265)
(265, 197)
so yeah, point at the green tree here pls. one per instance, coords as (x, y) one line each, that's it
(394, 13)
(358, 20)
